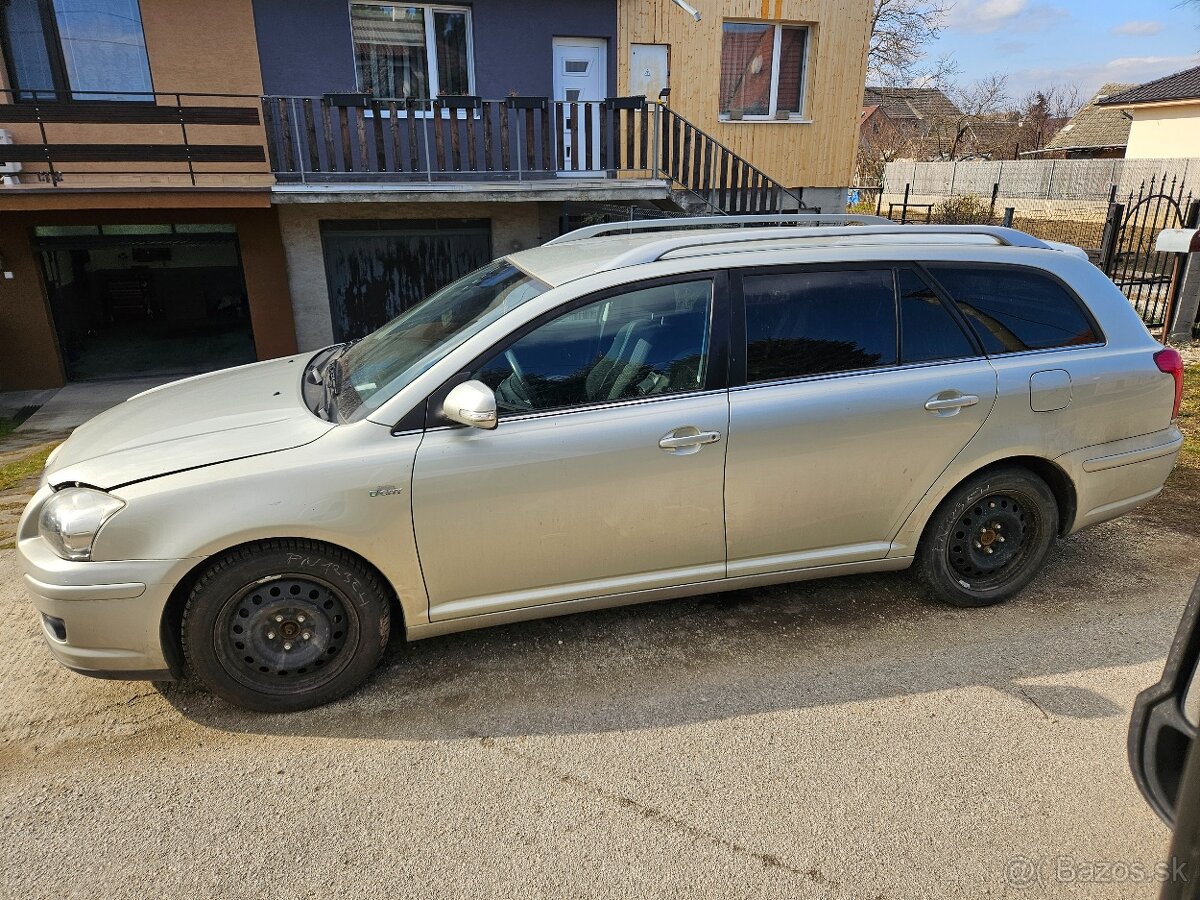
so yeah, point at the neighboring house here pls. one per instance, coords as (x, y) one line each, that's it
(920, 116)
(125, 249)
(179, 197)
(1164, 116)
(1097, 131)
(774, 81)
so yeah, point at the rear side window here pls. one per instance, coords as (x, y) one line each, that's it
(928, 331)
(811, 323)
(1014, 309)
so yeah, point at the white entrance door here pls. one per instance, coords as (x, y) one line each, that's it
(580, 76)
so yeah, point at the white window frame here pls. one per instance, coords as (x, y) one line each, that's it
(802, 115)
(430, 43)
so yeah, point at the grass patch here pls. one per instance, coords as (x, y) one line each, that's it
(13, 473)
(1189, 418)
(9, 424)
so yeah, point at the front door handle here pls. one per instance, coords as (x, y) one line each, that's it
(682, 438)
(940, 403)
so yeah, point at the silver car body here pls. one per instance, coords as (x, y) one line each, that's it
(579, 509)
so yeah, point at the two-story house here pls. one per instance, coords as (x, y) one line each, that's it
(176, 198)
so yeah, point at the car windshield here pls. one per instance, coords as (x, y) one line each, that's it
(385, 361)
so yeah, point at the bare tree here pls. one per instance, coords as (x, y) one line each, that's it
(880, 142)
(1043, 112)
(900, 31)
(981, 104)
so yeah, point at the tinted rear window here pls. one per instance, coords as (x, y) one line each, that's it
(927, 329)
(1013, 309)
(809, 323)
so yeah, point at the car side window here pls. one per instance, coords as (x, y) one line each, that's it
(1013, 309)
(811, 323)
(644, 343)
(928, 332)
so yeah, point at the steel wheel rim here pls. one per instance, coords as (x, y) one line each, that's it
(991, 540)
(260, 634)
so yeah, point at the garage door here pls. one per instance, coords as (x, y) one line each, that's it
(378, 268)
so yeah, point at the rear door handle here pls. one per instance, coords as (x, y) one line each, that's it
(939, 403)
(676, 441)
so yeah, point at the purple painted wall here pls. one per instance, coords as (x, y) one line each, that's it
(305, 47)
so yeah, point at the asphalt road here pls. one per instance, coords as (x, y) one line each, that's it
(831, 739)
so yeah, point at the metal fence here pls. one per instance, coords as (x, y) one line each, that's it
(1127, 255)
(1034, 179)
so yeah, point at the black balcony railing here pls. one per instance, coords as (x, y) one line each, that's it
(347, 137)
(229, 140)
(344, 138)
(173, 138)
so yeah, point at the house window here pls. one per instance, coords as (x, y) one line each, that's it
(75, 50)
(763, 70)
(420, 52)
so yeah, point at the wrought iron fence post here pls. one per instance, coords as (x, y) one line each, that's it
(904, 207)
(992, 205)
(1108, 238)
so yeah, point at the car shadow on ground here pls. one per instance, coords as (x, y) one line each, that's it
(739, 653)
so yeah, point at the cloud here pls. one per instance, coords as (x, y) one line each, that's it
(1012, 48)
(990, 16)
(1090, 76)
(1138, 28)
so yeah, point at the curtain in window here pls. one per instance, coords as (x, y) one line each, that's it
(103, 49)
(450, 46)
(746, 58)
(791, 69)
(389, 50)
(26, 46)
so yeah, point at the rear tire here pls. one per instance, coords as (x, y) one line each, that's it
(988, 538)
(285, 625)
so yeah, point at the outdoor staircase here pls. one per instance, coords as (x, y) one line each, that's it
(712, 179)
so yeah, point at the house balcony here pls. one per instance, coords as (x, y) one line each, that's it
(530, 148)
(175, 141)
(354, 146)
(348, 147)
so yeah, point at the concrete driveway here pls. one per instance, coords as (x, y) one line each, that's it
(838, 739)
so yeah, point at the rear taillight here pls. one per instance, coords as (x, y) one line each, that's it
(1170, 362)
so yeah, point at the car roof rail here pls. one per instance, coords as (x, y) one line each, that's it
(656, 250)
(807, 219)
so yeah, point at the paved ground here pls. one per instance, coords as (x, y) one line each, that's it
(79, 401)
(841, 739)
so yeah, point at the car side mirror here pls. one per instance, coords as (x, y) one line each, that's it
(471, 403)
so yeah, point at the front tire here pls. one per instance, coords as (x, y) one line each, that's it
(285, 625)
(988, 538)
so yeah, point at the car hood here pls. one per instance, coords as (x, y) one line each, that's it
(231, 414)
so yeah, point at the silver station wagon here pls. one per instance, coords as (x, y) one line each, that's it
(630, 412)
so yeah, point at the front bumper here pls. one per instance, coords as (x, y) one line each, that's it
(103, 618)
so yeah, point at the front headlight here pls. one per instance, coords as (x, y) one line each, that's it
(71, 519)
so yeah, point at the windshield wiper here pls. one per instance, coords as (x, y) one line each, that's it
(330, 378)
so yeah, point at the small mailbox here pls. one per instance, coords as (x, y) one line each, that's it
(1178, 240)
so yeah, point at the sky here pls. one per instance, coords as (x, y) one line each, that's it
(1084, 42)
